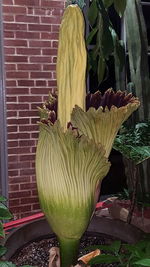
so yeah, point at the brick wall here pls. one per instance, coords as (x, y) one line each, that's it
(30, 47)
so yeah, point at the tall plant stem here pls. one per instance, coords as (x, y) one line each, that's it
(68, 251)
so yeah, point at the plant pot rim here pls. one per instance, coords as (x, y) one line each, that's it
(40, 228)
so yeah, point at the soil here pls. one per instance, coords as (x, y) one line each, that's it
(36, 253)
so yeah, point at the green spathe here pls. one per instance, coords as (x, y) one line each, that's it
(68, 169)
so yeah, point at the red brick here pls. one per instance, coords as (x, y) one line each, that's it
(33, 149)
(10, 83)
(18, 121)
(27, 172)
(29, 99)
(51, 20)
(17, 91)
(55, 28)
(35, 105)
(11, 99)
(28, 113)
(49, 67)
(27, 157)
(30, 10)
(12, 173)
(27, 186)
(9, 51)
(57, 12)
(20, 194)
(28, 67)
(14, 136)
(15, 26)
(41, 75)
(50, 35)
(52, 83)
(39, 27)
(25, 83)
(16, 59)
(36, 206)
(14, 187)
(17, 106)
(47, 3)
(9, 34)
(28, 35)
(30, 128)
(8, 18)
(26, 143)
(13, 158)
(12, 143)
(17, 74)
(11, 114)
(23, 179)
(27, 2)
(27, 19)
(50, 51)
(19, 165)
(39, 43)
(14, 9)
(34, 135)
(34, 120)
(12, 129)
(14, 202)
(29, 200)
(40, 83)
(20, 208)
(10, 66)
(34, 192)
(41, 59)
(8, 2)
(43, 11)
(28, 51)
(18, 150)
(39, 91)
(15, 43)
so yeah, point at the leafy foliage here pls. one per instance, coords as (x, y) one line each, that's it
(127, 255)
(107, 40)
(134, 143)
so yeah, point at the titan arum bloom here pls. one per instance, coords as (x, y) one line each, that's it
(72, 152)
(104, 117)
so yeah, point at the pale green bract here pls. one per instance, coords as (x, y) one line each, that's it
(68, 170)
(102, 125)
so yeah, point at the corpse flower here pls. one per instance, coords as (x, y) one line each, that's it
(70, 159)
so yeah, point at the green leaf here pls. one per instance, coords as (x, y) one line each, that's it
(93, 13)
(120, 6)
(116, 246)
(2, 250)
(7, 264)
(101, 69)
(2, 233)
(108, 3)
(4, 212)
(143, 262)
(91, 35)
(2, 199)
(103, 259)
(106, 39)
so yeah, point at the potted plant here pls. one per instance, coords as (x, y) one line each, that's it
(75, 140)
